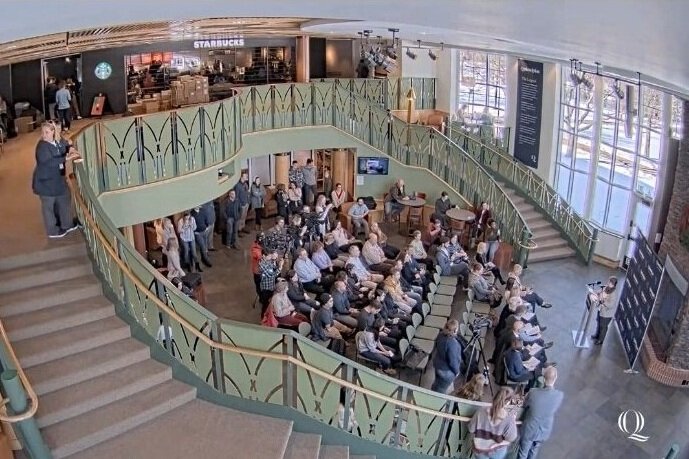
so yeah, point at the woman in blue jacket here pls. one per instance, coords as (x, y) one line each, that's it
(448, 357)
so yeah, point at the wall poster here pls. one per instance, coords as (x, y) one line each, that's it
(527, 137)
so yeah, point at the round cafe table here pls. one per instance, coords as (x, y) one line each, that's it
(412, 203)
(458, 220)
(460, 215)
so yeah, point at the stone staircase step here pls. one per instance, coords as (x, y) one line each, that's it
(524, 206)
(44, 348)
(334, 452)
(303, 446)
(545, 233)
(43, 256)
(550, 243)
(38, 297)
(539, 223)
(48, 320)
(531, 214)
(44, 273)
(199, 429)
(73, 435)
(73, 369)
(88, 395)
(551, 254)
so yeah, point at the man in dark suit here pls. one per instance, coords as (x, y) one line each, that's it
(540, 408)
(514, 364)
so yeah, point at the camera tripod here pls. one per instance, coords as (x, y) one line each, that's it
(476, 351)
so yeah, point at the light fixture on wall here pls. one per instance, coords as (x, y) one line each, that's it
(410, 54)
(432, 55)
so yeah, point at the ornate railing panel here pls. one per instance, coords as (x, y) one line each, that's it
(582, 235)
(270, 365)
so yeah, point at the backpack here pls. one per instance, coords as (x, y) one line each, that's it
(370, 202)
(337, 346)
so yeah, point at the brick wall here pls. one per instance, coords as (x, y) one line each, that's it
(678, 353)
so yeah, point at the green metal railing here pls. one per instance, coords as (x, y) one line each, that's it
(266, 364)
(581, 234)
(147, 149)
(270, 365)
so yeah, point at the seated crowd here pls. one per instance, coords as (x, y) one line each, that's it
(362, 291)
(313, 276)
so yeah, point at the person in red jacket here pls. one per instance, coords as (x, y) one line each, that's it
(255, 253)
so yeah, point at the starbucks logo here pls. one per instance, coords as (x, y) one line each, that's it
(684, 228)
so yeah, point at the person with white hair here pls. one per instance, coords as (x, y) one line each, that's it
(540, 407)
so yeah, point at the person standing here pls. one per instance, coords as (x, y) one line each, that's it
(241, 190)
(49, 95)
(258, 195)
(208, 210)
(310, 174)
(63, 102)
(494, 428)
(540, 407)
(186, 226)
(269, 269)
(442, 205)
(232, 214)
(606, 310)
(327, 182)
(447, 358)
(200, 234)
(50, 185)
(296, 175)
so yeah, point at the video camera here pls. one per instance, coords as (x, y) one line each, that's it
(478, 323)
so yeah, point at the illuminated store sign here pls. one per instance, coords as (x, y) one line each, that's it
(219, 43)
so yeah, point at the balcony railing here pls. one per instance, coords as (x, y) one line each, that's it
(580, 233)
(270, 365)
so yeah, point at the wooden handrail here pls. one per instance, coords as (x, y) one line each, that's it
(33, 406)
(79, 201)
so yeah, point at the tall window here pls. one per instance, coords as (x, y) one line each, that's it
(676, 127)
(626, 151)
(482, 87)
(576, 129)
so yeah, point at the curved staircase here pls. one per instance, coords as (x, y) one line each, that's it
(551, 244)
(101, 395)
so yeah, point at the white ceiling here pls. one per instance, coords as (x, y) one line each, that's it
(635, 35)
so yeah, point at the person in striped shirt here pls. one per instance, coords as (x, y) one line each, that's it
(494, 428)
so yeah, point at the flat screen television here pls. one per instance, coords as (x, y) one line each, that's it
(373, 166)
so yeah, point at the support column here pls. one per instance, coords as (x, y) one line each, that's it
(302, 60)
(282, 168)
(595, 144)
(446, 81)
(139, 236)
(340, 170)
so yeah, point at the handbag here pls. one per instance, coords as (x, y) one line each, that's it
(414, 357)
(269, 319)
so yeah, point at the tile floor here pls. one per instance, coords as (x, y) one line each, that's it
(596, 387)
